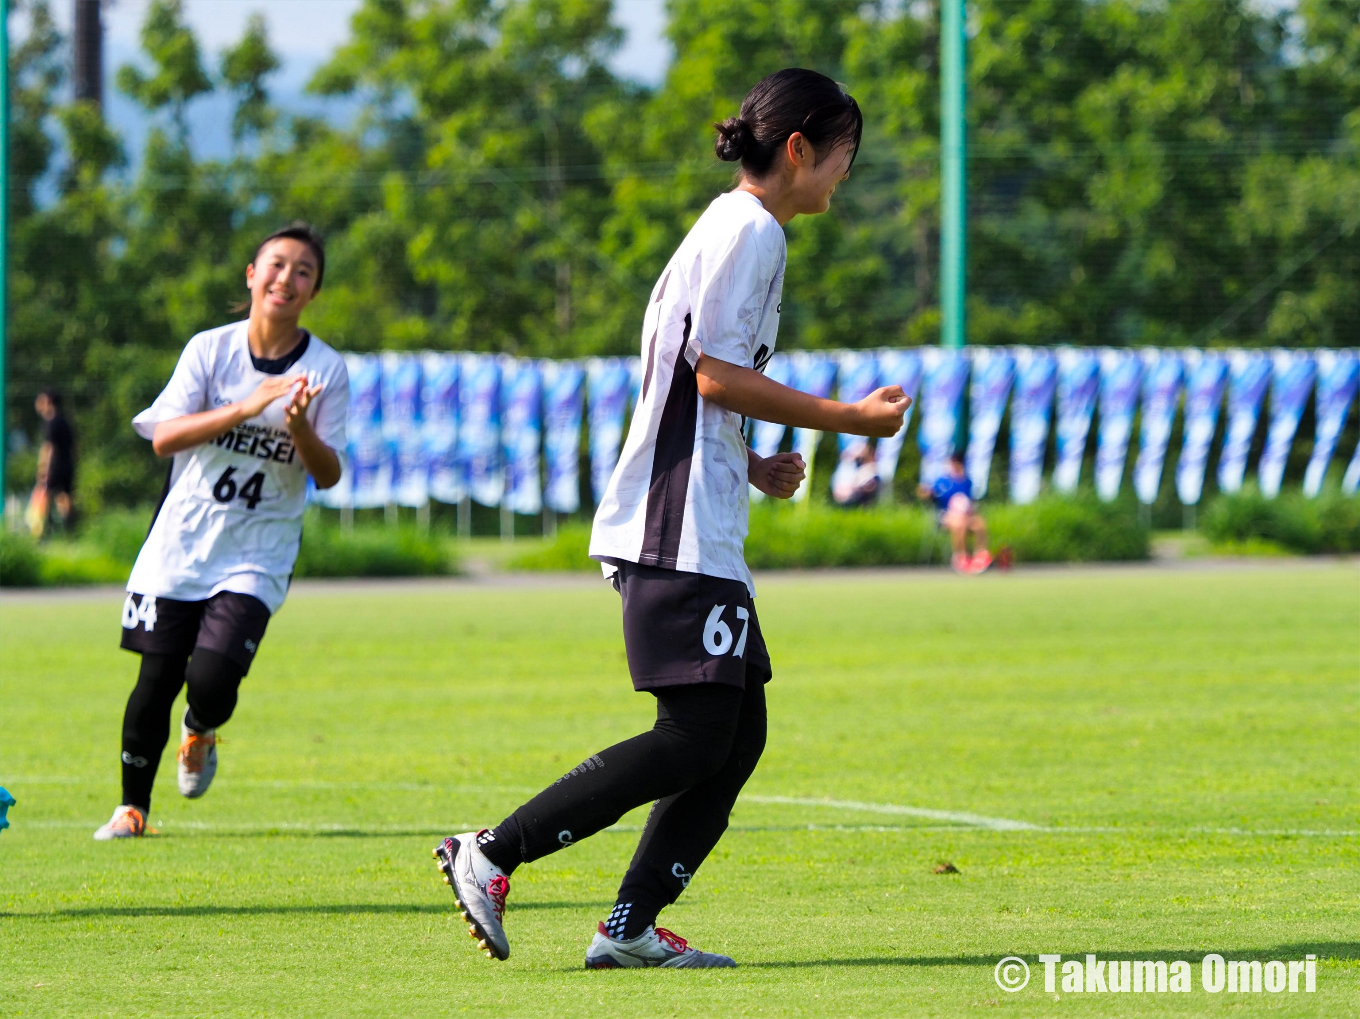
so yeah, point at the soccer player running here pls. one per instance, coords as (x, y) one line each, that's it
(670, 530)
(251, 409)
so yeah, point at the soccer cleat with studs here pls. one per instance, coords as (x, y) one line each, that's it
(479, 887)
(197, 760)
(655, 946)
(127, 822)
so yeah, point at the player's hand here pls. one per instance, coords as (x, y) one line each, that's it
(295, 414)
(780, 475)
(267, 392)
(879, 415)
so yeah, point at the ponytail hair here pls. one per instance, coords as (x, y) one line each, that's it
(784, 103)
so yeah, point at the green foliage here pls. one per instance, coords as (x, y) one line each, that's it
(20, 562)
(1329, 523)
(1056, 529)
(808, 536)
(1139, 173)
(371, 550)
(569, 550)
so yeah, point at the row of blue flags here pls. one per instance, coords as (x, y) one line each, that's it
(507, 431)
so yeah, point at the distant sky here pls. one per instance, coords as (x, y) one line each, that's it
(303, 33)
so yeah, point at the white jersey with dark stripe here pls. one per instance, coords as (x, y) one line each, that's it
(678, 498)
(231, 515)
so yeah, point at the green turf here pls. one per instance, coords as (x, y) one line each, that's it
(1199, 715)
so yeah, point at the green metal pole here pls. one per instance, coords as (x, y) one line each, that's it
(4, 236)
(953, 174)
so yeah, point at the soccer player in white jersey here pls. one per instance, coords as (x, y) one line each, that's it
(670, 532)
(251, 409)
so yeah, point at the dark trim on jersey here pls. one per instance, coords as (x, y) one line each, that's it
(279, 365)
(671, 457)
(165, 494)
(651, 361)
(762, 358)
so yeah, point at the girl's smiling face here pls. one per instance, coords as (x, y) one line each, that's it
(282, 279)
(816, 180)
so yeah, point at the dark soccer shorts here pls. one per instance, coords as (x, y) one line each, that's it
(229, 623)
(681, 628)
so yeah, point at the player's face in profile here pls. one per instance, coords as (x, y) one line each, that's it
(282, 279)
(821, 175)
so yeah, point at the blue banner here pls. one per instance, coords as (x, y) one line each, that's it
(814, 373)
(479, 427)
(439, 409)
(767, 435)
(1291, 383)
(1350, 484)
(993, 372)
(607, 384)
(896, 368)
(1206, 374)
(1121, 371)
(1162, 376)
(401, 418)
(945, 375)
(854, 475)
(563, 398)
(522, 430)
(370, 455)
(1338, 373)
(1248, 376)
(1078, 384)
(1036, 373)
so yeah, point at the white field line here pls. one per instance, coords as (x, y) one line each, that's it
(956, 817)
(951, 820)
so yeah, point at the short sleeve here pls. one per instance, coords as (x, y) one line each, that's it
(185, 393)
(734, 293)
(333, 407)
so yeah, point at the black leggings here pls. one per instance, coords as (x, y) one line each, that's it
(693, 762)
(212, 679)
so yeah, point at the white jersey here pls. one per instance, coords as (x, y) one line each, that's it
(678, 498)
(231, 518)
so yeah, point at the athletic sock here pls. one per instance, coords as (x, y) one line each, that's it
(502, 845)
(628, 920)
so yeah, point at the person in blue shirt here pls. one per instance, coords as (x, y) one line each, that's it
(952, 495)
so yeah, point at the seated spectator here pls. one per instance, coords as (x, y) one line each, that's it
(855, 482)
(952, 494)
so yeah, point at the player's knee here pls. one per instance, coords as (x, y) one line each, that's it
(213, 680)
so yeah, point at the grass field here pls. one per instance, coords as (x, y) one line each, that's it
(1184, 746)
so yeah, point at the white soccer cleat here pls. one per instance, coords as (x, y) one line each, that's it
(480, 888)
(197, 760)
(655, 946)
(127, 822)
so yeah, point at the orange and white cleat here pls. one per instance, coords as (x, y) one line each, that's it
(127, 822)
(197, 760)
(980, 562)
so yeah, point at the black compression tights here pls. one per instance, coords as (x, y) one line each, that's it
(212, 679)
(692, 763)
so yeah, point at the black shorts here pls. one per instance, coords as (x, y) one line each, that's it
(681, 628)
(229, 623)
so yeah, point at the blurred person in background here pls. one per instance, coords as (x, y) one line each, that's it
(56, 466)
(251, 410)
(855, 481)
(952, 495)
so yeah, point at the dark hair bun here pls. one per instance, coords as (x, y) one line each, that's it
(734, 139)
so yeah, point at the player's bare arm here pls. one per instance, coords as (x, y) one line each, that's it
(777, 476)
(192, 430)
(747, 392)
(322, 462)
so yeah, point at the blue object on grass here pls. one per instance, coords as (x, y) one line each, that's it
(6, 801)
